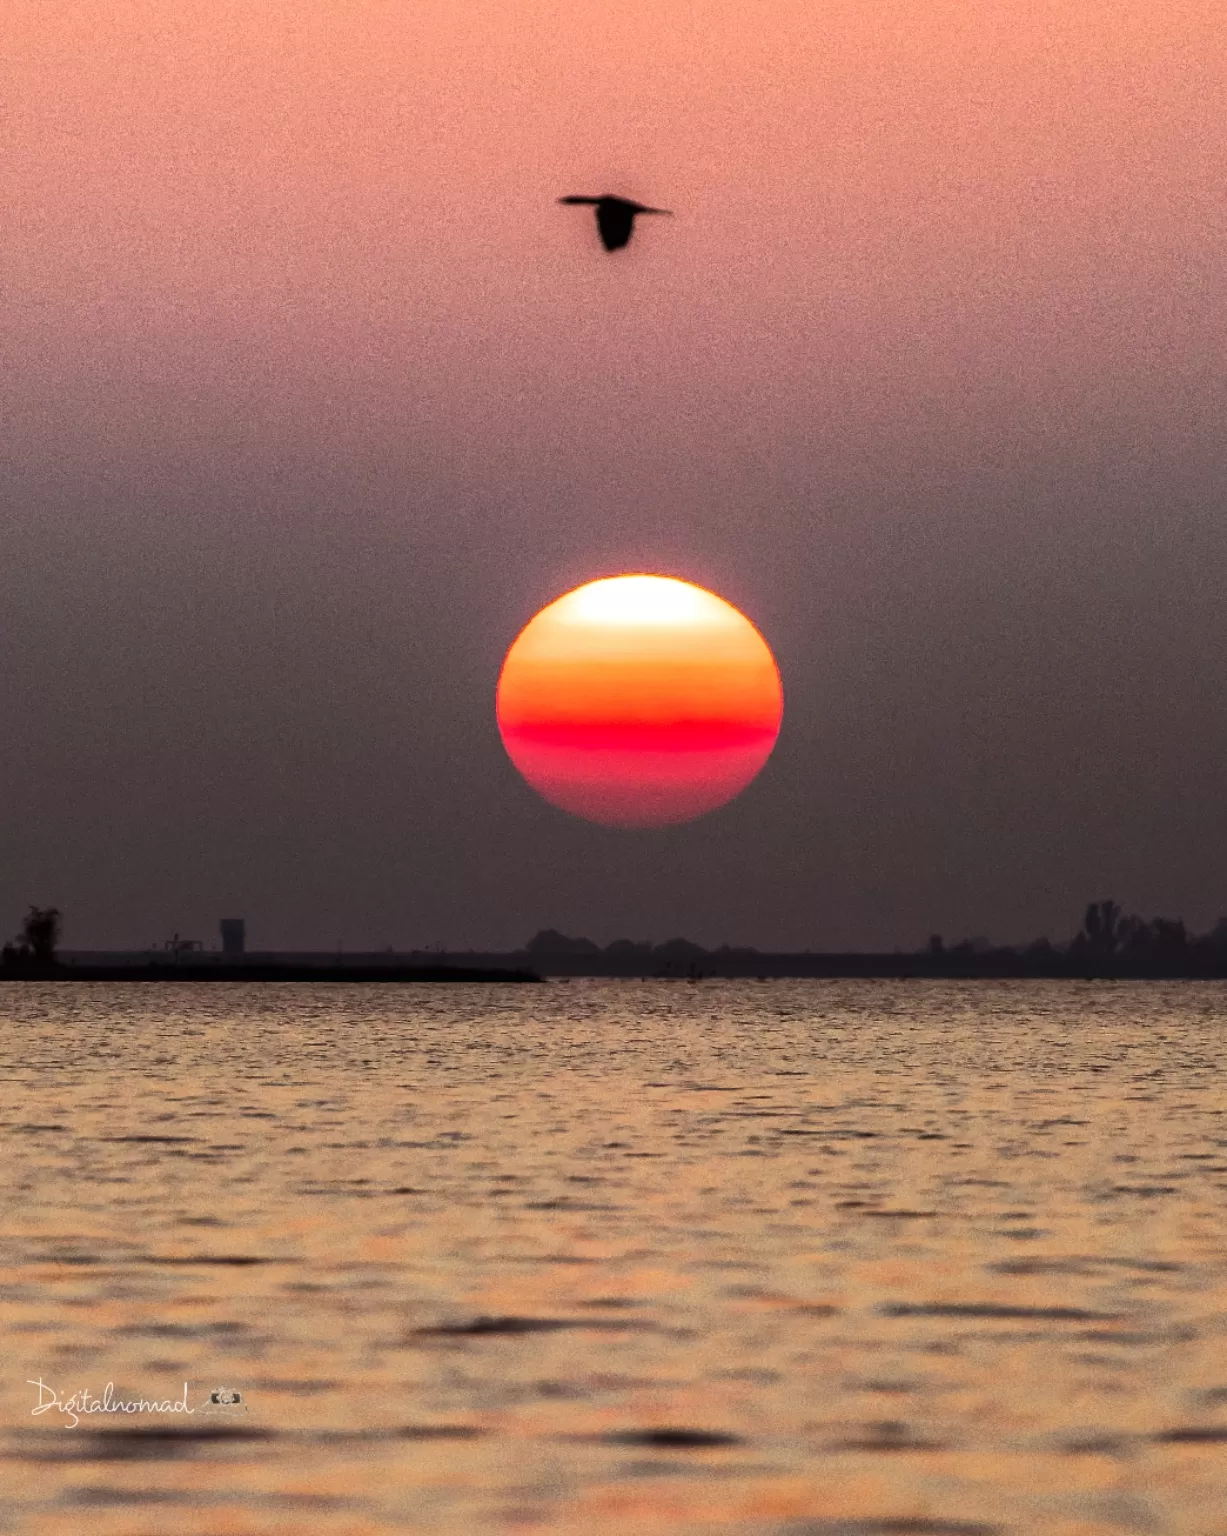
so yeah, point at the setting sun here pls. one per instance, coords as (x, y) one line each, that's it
(638, 701)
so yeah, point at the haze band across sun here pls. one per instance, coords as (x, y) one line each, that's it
(639, 701)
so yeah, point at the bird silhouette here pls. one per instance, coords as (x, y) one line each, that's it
(615, 217)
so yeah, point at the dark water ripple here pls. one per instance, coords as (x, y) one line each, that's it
(617, 1258)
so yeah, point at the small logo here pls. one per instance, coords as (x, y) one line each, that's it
(224, 1400)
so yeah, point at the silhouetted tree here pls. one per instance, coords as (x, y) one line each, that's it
(1132, 934)
(679, 950)
(1107, 933)
(550, 942)
(40, 932)
(1101, 928)
(1167, 935)
(628, 949)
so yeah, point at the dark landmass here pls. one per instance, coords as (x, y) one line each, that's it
(287, 970)
(281, 969)
(1000, 964)
(513, 967)
(34, 956)
(1109, 946)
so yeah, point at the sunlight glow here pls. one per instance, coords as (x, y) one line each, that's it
(637, 600)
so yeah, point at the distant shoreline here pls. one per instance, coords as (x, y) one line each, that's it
(228, 971)
(1195, 964)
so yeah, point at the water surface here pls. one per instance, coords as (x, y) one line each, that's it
(784, 1258)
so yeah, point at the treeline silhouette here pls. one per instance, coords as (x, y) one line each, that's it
(1110, 943)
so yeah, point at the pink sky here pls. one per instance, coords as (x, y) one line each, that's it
(261, 210)
(312, 396)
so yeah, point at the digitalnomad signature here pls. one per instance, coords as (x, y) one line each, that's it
(84, 1402)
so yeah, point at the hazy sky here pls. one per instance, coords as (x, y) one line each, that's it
(310, 396)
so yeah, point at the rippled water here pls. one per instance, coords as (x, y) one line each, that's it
(781, 1258)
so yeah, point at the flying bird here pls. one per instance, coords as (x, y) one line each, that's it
(615, 217)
